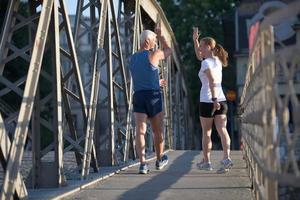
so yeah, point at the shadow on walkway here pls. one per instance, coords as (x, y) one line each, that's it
(152, 188)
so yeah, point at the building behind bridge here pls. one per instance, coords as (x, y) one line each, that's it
(247, 13)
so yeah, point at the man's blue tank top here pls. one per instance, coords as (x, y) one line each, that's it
(145, 76)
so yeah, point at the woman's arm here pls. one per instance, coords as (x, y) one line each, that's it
(212, 87)
(196, 43)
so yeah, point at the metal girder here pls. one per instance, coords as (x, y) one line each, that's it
(17, 147)
(5, 145)
(131, 44)
(271, 95)
(113, 93)
(9, 21)
(58, 118)
(89, 140)
(75, 70)
(57, 62)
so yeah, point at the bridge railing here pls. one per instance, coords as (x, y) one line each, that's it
(66, 81)
(269, 108)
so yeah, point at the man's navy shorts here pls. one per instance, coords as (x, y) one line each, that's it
(148, 102)
(207, 109)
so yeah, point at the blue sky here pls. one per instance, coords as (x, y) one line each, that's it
(71, 6)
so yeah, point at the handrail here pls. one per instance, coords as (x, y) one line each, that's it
(269, 109)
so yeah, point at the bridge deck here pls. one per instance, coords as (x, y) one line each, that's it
(179, 180)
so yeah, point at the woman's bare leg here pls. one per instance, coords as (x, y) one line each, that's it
(220, 123)
(206, 124)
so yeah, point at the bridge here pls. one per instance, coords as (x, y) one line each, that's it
(66, 108)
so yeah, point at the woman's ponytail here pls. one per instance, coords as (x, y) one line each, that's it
(222, 54)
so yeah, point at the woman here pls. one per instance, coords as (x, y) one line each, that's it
(212, 106)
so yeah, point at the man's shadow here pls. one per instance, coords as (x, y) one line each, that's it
(163, 180)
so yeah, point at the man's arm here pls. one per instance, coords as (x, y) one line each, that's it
(166, 50)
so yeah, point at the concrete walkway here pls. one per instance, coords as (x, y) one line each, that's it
(180, 180)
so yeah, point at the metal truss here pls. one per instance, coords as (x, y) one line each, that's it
(65, 99)
(269, 109)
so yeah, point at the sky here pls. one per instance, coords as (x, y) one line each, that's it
(72, 4)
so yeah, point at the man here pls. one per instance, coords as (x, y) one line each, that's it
(147, 100)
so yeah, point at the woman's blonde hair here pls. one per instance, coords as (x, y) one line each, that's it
(217, 49)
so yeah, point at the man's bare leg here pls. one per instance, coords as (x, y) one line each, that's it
(141, 127)
(157, 128)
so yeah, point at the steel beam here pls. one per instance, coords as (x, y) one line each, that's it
(113, 40)
(89, 140)
(17, 148)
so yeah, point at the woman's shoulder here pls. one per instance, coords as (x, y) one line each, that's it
(218, 62)
(213, 62)
(207, 63)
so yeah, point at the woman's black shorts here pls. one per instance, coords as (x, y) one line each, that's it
(207, 109)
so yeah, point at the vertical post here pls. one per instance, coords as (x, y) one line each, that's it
(177, 97)
(272, 186)
(108, 136)
(36, 141)
(89, 139)
(35, 123)
(231, 117)
(110, 87)
(57, 112)
(135, 45)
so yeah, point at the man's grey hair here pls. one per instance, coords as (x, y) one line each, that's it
(147, 34)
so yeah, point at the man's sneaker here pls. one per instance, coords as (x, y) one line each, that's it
(144, 169)
(205, 166)
(162, 162)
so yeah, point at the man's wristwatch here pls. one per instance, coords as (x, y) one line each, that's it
(214, 99)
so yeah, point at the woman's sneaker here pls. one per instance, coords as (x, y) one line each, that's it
(159, 164)
(144, 169)
(205, 166)
(226, 164)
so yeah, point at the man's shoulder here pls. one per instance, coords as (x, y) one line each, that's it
(134, 55)
(137, 53)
